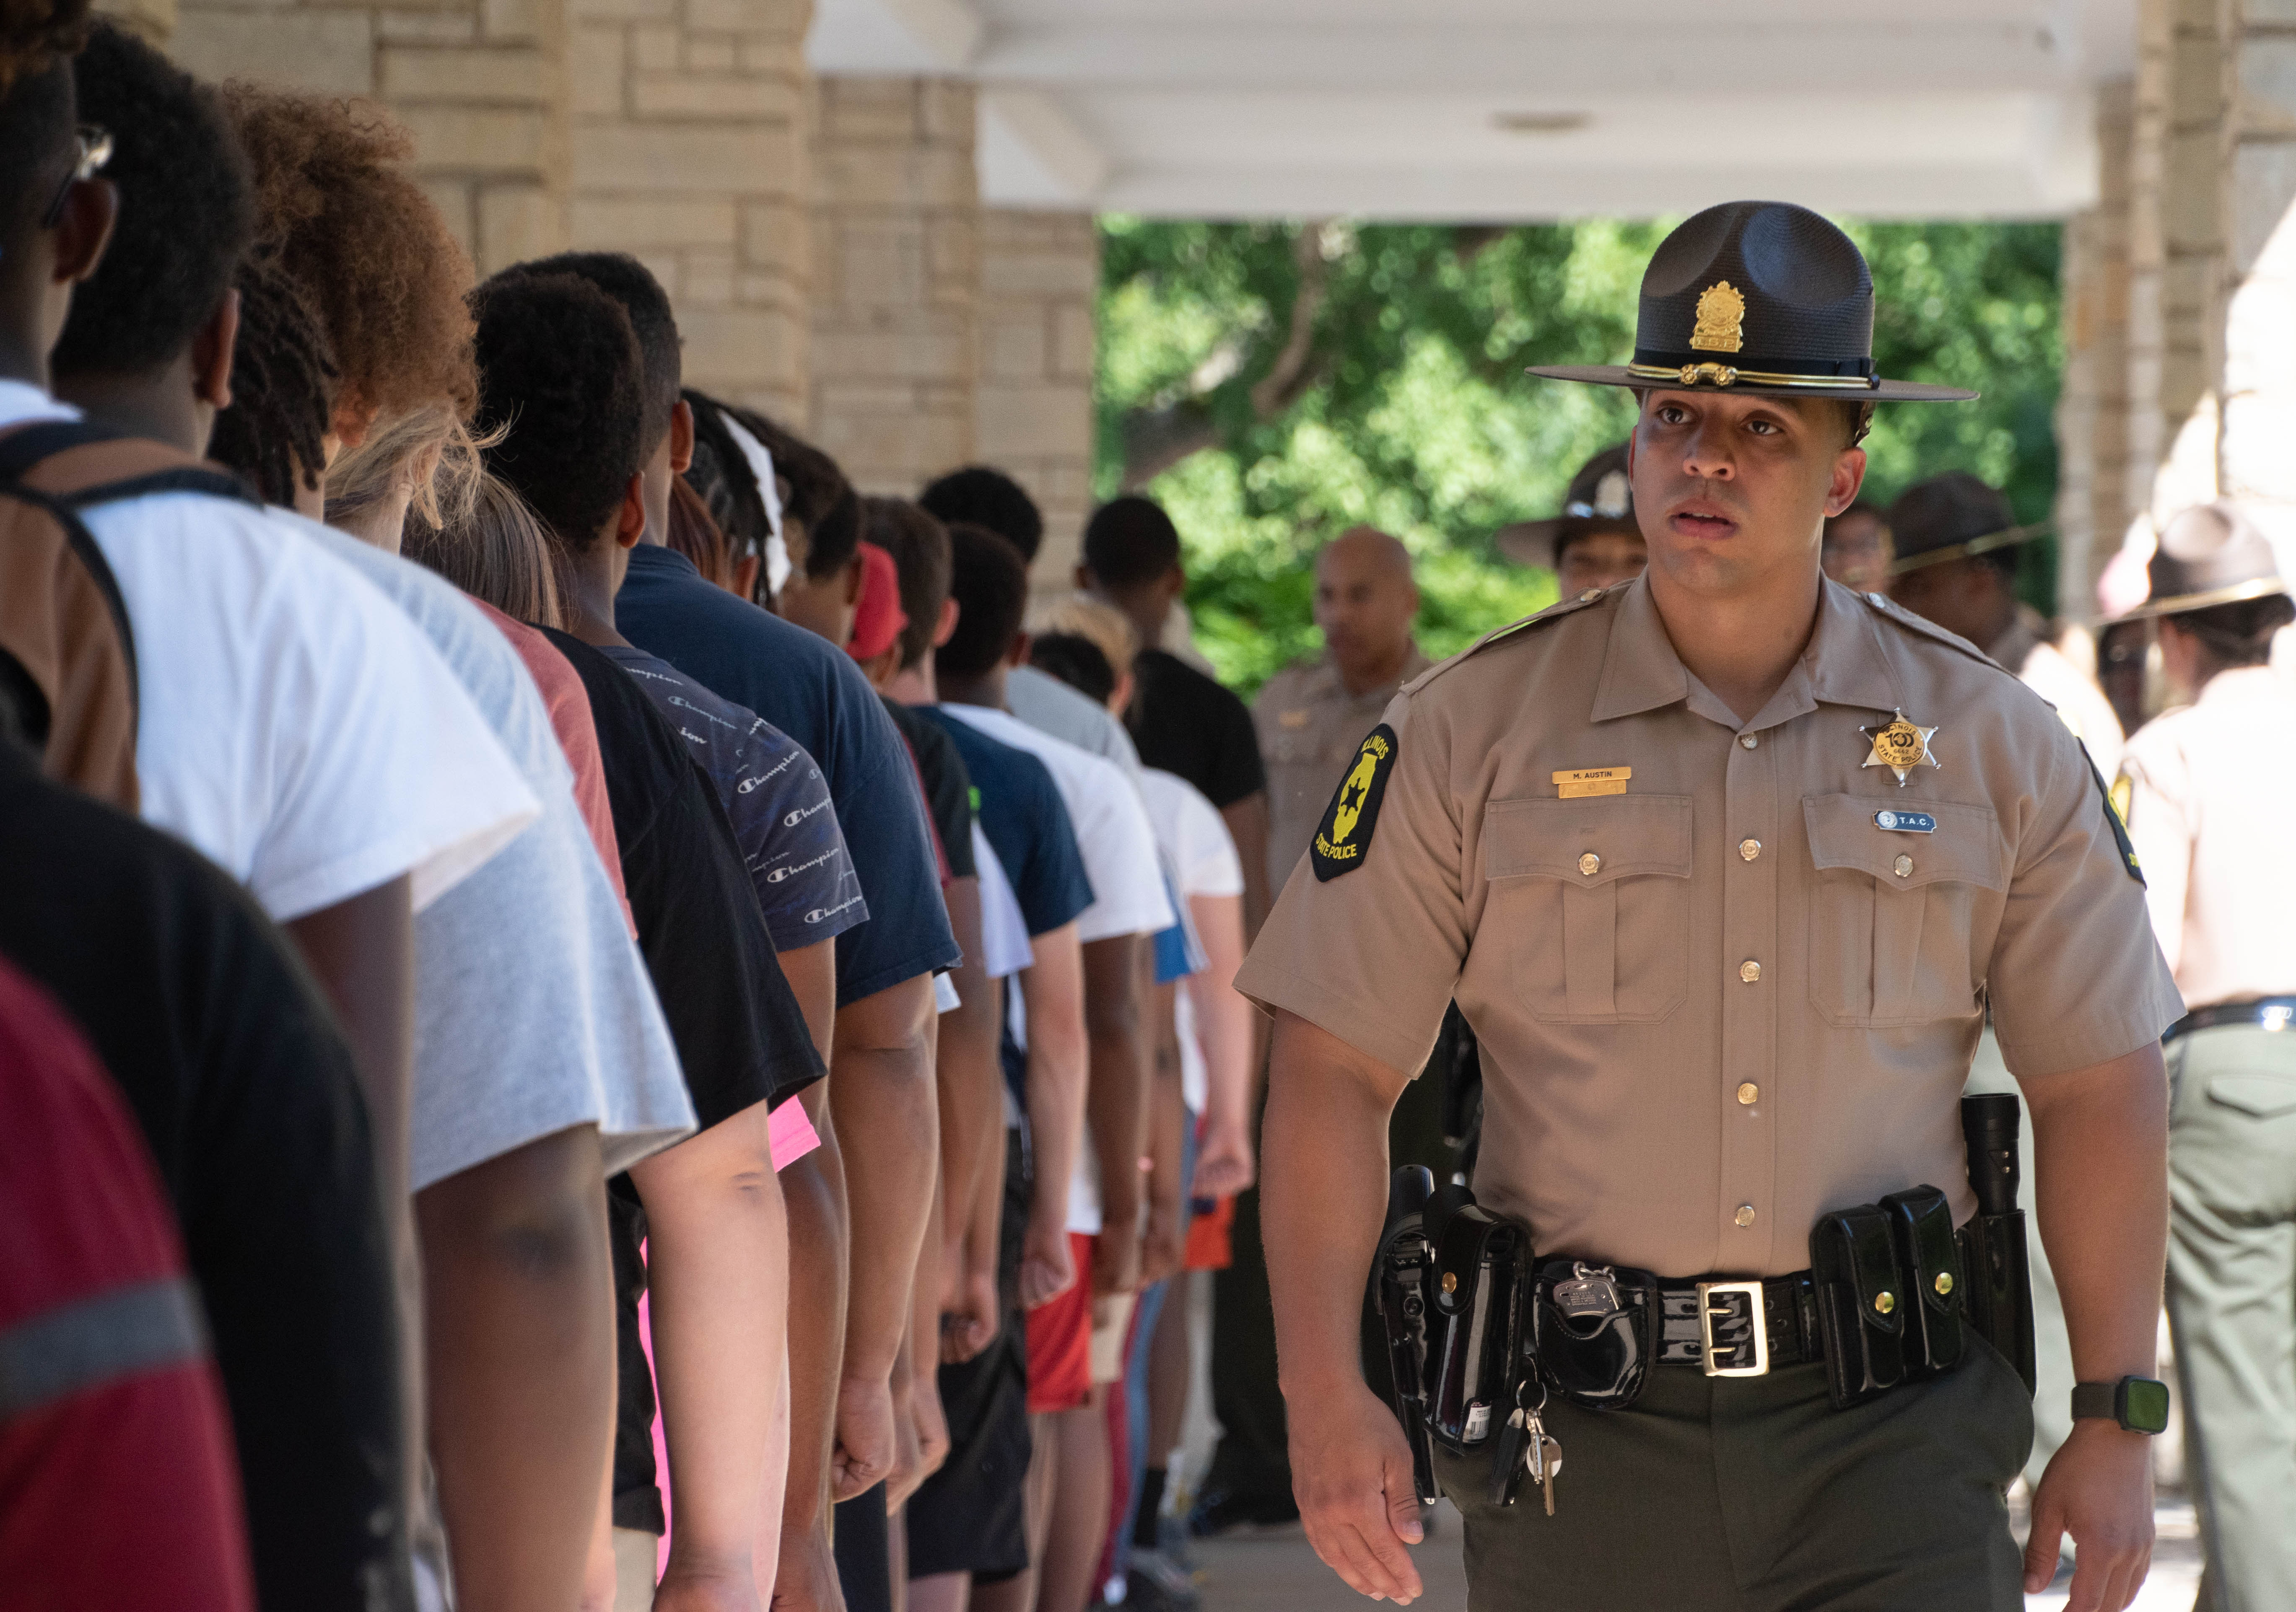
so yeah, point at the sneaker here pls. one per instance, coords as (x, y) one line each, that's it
(1156, 1585)
(1217, 1512)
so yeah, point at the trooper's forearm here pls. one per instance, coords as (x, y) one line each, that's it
(2107, 1122)
(1322, 1196)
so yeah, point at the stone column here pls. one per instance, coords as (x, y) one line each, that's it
(2255, 461)
(478, 83)
(1036, 417)
(688, 151)
(896, 267)
(2092, 507)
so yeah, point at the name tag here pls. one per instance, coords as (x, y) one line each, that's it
(1905, 822)
(1573, 783)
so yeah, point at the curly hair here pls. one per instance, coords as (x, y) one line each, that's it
(282, 385)
(559, 375)
(632, 284)
(36, 34)
(186, 210)
(987, 496)
(333, 199)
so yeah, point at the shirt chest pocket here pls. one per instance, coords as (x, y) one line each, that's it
(1590, 900)
(1893, 916)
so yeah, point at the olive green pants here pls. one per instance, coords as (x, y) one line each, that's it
(2232, 1302)
(1754, 1494)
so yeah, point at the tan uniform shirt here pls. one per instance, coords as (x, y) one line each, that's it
(1727, 1000)
(1309, 726)
(2049, 671)
(2208, 790)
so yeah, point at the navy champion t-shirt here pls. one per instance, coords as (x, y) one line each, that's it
(811, 691)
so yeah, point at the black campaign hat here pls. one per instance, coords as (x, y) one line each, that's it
(1954, 516)
(1601, 499)
(1760, 298)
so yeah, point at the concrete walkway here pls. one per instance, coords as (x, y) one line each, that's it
(1275, 1571)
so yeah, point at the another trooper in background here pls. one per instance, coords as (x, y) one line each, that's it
(1957, 540)
(1594, 542)
(1857, 549)
(2205, 787)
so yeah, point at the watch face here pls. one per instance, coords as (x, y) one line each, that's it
(2144, 1404)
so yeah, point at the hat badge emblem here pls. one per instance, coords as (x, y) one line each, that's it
(1721, 326)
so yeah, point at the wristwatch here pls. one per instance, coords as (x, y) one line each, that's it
(2138, 1403)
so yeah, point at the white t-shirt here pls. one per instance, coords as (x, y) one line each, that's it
(291, 725)
(533, 1009)
(1195, 839)
(1004, 948)
(1119, 858)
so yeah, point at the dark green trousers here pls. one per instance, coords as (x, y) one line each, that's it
(1754, 1494)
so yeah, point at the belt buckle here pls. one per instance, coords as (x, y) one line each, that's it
(1754, 1323)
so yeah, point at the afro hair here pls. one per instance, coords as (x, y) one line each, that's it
(560, 377)
(36, 34)
(632, 284)
(185, 212)
(334, 199)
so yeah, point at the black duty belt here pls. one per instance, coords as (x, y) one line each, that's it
(2273, 1011)
(1740, 1328)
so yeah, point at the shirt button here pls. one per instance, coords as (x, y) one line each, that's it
(1745, 1216)
(1747, 1092)
(1902, 866)
(1589, 863)
(1750, 971)
(1748, 849)
(1747, 741)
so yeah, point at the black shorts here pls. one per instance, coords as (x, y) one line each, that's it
(969, 1515)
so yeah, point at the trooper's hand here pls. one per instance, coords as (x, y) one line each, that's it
(1351, 1473)
(2098, 1488)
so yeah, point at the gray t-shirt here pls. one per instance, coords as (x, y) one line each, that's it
(533, 1010)
(1050, 705)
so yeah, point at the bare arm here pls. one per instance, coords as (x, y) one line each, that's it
(1320, 1203)
(970, 1086)
(718, 1268)
(1247, 824)
(2108, 1122)
(518, 1295)
(1116, 1101)
(362, 952)
(882, 1091)
(1168, 1120)
(814, 1190)
(812, 975)
(1223, 1027)
(1053, 990)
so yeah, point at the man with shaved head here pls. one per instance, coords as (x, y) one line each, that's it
(1311, 719)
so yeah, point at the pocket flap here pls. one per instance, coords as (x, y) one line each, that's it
(1966, 847)
(2263, 1096)
(1539, 837)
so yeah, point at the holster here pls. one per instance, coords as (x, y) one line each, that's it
(1595, 1332)
(1481, 1267)
(1399, 1287)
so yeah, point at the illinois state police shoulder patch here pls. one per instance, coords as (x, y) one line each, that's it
(1344, 835)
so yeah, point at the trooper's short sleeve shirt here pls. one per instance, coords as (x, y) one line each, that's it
(1734, 980)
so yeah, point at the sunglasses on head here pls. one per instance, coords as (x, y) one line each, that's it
(95, 152)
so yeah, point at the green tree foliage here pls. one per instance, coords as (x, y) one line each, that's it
(1274, 384)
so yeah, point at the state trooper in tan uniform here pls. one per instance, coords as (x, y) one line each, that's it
(1724, 865)
(2207, 789)
(1311, 718)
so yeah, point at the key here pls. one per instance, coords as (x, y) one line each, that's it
(1549, 1462)
(1515, 1444)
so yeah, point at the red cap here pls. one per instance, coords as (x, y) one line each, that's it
(877, 615)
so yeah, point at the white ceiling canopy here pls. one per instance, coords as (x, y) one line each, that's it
(1501, 111)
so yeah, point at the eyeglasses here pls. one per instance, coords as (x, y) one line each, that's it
(95, 152)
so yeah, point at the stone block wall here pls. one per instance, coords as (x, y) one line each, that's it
(1034, 411)
(896, 277)
(2091, 508)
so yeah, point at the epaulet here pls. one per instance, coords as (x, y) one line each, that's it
(1553, 612)
(1890, 609)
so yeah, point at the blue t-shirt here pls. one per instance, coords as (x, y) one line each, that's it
(811, 691)
(1026, 822)
(777, 798)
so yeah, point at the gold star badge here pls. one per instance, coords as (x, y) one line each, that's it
(1901, 746)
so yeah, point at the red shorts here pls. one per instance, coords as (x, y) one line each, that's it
(1208, 1247)
(1060, 1340)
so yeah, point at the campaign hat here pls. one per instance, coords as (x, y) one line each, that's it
(1757, 298)
(1954, 516)
(2210, 555)
(1601, 499)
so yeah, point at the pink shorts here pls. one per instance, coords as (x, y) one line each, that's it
(791, 1133)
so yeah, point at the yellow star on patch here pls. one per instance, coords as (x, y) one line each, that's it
(1901, 746)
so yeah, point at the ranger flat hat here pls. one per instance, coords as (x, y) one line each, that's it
(1761, 298)
(1953, 516)
(1601, 499)
(2210, 555)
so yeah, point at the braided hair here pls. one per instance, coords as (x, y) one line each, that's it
(283, 385)
(35, 35)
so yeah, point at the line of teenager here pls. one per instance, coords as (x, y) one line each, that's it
(583, 1020)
